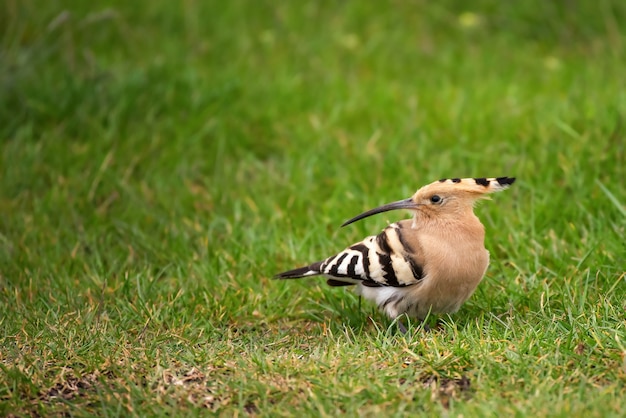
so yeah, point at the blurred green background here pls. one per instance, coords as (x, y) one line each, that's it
(162, 160)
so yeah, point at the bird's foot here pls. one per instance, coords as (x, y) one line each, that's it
(402, 327)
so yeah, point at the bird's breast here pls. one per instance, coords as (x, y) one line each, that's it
(452, 271)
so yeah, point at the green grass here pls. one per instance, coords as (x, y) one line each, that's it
(162, 160)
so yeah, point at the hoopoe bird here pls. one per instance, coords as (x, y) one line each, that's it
(430, 264)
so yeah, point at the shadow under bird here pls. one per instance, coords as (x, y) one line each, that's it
(431, 263)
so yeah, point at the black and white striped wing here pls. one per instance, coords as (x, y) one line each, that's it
(382, 260)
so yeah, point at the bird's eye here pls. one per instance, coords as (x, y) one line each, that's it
(435, 199)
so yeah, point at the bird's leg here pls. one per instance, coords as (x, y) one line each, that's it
(402, 327)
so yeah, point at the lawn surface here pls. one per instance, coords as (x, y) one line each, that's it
(162, 160)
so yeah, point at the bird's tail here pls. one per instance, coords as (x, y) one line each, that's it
(312, 270)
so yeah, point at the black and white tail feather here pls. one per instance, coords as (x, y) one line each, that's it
(382, 260)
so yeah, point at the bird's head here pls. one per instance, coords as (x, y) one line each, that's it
(444, 197)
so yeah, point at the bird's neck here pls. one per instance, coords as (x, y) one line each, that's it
(451, 225)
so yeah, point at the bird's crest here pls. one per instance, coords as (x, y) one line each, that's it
(478, 185)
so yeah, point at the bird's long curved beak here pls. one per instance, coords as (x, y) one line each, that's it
(400, 204)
